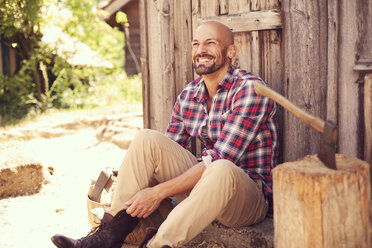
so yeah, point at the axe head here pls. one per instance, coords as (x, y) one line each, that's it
(328, 151)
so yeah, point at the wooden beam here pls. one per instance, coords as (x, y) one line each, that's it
(256, 56)
(209, 8)
(305, 73)
(249, 21)
(348, 91)
(145, 63)
(363, 65)
(224, 7)
(368, 118)
(332, 72)
(115, 6)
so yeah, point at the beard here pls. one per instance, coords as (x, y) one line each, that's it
(204, 70)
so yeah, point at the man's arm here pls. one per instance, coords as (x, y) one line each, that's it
(147, 200)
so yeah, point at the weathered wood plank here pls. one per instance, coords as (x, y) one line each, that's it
(161, 59)
(363, 65)
(224, 8)
(305, 59)
(332, 76)
(154, 68)
(243, 58)
(368, 118)
(196, 15)
(145, 63)
(183, 37)
(269, 4)
(168, 95)
(239, 6)
(209, 8)
(242, 40)
(252, 21)
(256, 56)
(272, 71)
(348, 101)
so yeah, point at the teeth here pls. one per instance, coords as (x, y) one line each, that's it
(203, 60)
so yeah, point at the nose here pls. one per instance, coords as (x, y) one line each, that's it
(201, 49)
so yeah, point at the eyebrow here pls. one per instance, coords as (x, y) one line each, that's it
(209, 39)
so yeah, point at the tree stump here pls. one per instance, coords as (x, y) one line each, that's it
(318, 207)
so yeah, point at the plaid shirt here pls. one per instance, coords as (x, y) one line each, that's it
(240, 126)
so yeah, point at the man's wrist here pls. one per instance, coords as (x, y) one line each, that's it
(161, 191)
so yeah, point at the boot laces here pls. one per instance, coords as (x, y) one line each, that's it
(97, 237)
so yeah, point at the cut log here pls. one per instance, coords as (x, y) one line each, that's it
(318, 207)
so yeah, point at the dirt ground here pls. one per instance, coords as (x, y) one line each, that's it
(77, 156)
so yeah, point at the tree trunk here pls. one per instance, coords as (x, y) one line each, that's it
(318, 207)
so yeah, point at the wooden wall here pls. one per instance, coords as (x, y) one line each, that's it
(166, 32)
(305, 50)
(323, 41)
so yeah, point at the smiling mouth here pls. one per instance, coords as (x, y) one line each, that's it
(204, 59)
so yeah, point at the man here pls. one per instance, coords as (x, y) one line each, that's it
(231, 182)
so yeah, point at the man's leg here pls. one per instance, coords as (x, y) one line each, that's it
(224, 192)
(150, 153)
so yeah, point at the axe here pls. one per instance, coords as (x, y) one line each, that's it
(328, 129)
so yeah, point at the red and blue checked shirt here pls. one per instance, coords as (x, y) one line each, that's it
(240, 126)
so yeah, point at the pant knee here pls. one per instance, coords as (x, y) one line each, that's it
(146, 136)
(222, 170)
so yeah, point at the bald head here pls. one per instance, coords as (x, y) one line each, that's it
(212, 48)
(222, 32)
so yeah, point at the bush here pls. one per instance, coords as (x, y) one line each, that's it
(45, 79)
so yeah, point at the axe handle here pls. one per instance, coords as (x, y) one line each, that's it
(308, 119)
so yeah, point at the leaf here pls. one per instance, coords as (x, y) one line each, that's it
(121, 17)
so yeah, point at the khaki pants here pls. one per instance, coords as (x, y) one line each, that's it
(224, 192)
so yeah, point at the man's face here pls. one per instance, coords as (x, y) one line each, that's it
(208, 50)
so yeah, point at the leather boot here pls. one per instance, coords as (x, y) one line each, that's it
(150, 232)
(109, 234)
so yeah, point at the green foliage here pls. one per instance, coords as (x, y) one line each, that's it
(121, 17)
(113, 90)
(85, 22)
(13, 93)
(20, 17)
(62, 85)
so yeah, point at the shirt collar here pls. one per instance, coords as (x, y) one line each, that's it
(226, 83)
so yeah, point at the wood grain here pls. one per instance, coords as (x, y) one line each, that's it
(318, 207)
(305, 74)
(368, 117)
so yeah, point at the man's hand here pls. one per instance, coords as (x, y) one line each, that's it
(147, 200)
(143, 203)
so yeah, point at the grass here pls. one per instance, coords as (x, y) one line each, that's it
(108, 95)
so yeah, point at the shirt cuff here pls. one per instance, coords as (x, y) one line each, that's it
(207, 160)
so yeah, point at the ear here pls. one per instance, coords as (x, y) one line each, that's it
(231, 51)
